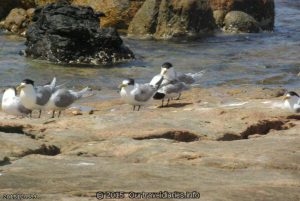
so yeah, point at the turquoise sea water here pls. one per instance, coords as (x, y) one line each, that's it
(269, 59)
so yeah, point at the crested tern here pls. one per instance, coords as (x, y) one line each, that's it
(136, 94)
(172, 85)
(35, 98)
(61, 99)
(11, 104)
(292, 101)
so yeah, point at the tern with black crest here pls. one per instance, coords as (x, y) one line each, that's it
(35, 98)
(136, 94)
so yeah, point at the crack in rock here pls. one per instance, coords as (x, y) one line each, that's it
(48, 150)
(180, 136)
(5, 161)
(261, 128)
(12, 129)
(294, 117)
(16, 129)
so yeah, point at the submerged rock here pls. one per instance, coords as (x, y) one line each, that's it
(64, 33)
(168, 19)
(263, 11)
(237, 21)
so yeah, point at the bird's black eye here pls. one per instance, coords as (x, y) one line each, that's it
(28, 81)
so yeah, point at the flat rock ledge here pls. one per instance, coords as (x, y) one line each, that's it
(215, 141)
(63, 33)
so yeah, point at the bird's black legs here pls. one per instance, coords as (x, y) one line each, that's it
(40, 113)
(178, 97)
(162, 102)
(59, 113)
(138, 109)
(168, 101)
(53, 114)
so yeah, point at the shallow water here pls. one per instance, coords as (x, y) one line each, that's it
(269, 59)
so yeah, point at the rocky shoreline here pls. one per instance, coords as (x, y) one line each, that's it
(159, 19)
(228, 144)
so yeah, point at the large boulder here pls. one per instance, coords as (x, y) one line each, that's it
(164, 19)
(118, 13)
(237, 21)
(263, 11)
(64, 33)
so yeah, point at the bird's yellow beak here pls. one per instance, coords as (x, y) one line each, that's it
(122, 85)
(163, 71)
(286, 98)
(21, 86)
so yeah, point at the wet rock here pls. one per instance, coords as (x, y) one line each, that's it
(64, 33)
(170, 19)
(263, 11)
(237, 21)
(219, 16)
(17, 20)
(118, 13)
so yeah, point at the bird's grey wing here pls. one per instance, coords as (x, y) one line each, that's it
(187, 79)
(51, 85)
(43, 95)
(175, 87)
(144, 92)
(63, 98)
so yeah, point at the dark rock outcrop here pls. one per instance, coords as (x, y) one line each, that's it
(164, 19)
(237, 21)
(64, 33)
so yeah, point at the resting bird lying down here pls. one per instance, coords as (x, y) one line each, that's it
(11, 104)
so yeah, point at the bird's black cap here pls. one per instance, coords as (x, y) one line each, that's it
(167, 65)
(130, 81)
(292, 93)
(28, 81)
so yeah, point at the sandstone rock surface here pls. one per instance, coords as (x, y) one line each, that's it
(168, 19)
(118, 13)
(221, 142)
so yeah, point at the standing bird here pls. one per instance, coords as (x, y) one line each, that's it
(173, 85)
(138, 94)
(61, 99)
(11, 104)
(35, 98)
(292, 101)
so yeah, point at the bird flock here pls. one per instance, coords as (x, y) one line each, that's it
(166, 86)
(41, 98)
